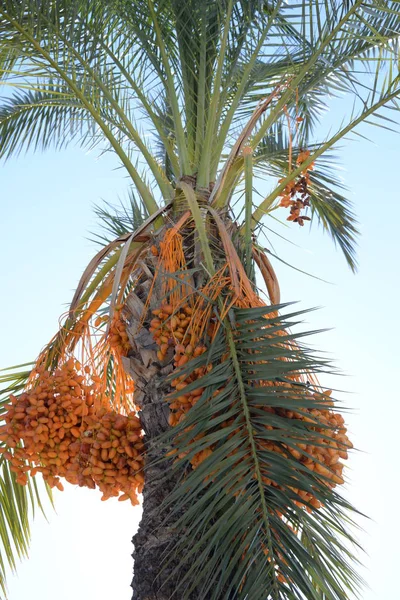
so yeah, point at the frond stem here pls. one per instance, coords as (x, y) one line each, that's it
(146, 105)
(203, 176)
(248, 204)
(223, 131)
(173, 98)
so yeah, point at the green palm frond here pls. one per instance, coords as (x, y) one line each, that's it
(333, 211)
(8, 59)
(17, 502)
(116, 221)
(323, 51)
(240, 530)
(59, 42)
(40, 119)
(337, 71)
(207, 62)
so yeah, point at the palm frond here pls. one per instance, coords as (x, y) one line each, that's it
(244, 529)
(40, 119)
(334, 213)
(118, 220)
(54, 45)
(330, 206)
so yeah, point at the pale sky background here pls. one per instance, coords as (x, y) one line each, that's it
(83, 552)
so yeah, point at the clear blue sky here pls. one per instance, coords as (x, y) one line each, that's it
(46, 214)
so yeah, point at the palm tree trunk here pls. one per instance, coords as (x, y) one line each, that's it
(156, 532)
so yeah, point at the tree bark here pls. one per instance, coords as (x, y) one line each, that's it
(156, 532)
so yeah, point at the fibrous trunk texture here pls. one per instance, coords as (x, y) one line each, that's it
(158, 570)
(156, 533)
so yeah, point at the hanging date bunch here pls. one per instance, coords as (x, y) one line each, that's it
(64, 427)
(175, 324)
(296, 194)
(324, 450)
(185, 324)
(118, 337)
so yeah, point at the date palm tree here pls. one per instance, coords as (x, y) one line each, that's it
(200, 101)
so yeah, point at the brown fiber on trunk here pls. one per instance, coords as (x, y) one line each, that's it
(156, 532)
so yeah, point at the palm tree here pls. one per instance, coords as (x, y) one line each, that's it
(200, 100)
